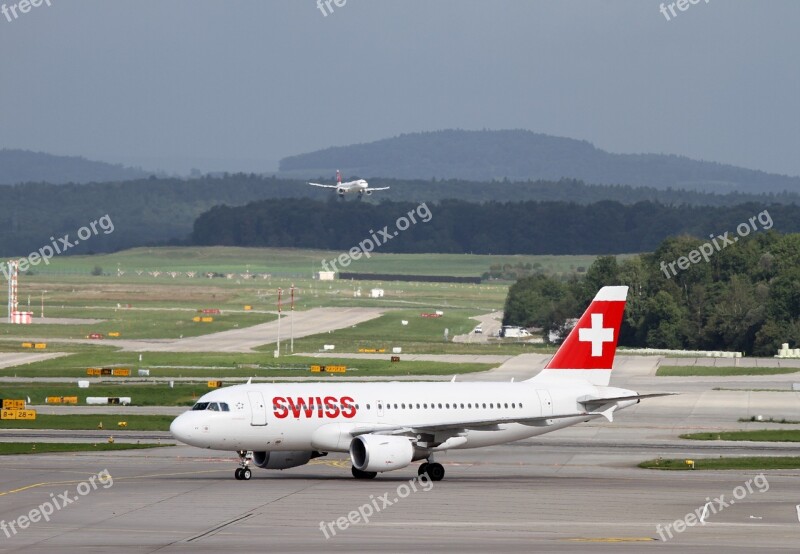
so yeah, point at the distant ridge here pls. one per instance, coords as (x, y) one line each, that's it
(525, 155)
(25, 166)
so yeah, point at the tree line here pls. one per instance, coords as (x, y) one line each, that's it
(746, 297)
(463, 227)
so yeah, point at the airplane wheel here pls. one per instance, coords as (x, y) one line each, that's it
(435, 472)
(422, 468)
(238, 474)
(247, 474)
(358, 474)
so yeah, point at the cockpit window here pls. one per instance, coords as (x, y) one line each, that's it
(212, 406)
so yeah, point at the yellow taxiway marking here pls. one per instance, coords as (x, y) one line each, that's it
(613, 539)
(49, 483)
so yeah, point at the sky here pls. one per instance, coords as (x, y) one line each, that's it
(235, 85)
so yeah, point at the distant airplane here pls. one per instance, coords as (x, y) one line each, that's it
(360, 186)
(387, 426)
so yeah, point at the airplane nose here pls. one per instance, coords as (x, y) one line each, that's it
(181, 429)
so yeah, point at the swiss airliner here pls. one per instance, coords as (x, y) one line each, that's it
(359, 186)
(387, 426)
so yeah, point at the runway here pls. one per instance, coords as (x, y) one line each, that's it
(528, 496)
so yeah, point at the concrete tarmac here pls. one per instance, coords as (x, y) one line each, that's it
(528, 496)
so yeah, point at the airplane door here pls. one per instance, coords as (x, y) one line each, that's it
(546, 402)
(258, 408)
(380, 408)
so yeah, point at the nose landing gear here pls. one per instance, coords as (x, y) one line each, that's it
(243, 472)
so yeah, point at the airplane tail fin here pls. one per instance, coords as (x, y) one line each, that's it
(588, 353)
(338, 176)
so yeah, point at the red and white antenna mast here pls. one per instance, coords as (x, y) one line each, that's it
(13, 284)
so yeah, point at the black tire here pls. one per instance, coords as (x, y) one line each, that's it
(435, 472)
(238, 474)
(358, 474)
(423, 468)
(246, 474)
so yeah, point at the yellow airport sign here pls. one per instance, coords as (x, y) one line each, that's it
(10, 404)
(40, 345)
(214, 384)
(27, 345)
(17, 414)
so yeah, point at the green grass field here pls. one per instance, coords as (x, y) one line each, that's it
(91, 421)
(215, 365)
(770, 435)
(746, 463)
(13, 448)
(703, 371)
(298, 262)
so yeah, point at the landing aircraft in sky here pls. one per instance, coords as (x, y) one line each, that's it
(386, 426)
(359, 186)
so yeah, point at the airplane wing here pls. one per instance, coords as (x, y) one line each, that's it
(373, 189)
(323, 186)
(460, 426)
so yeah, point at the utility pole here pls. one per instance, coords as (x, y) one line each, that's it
(278, 351)
(291, 321)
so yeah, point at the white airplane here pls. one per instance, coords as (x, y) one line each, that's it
(360, 186)
(388, 425)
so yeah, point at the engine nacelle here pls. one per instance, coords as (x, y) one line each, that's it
(284, 460)
(340, 191)
(380, 452)
(369, 193)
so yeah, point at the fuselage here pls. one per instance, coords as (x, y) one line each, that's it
(352, 186)
(322, 416)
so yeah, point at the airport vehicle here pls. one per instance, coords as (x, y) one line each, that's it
(511, 331)
(386, 426)
(478, 330)
(359, 186)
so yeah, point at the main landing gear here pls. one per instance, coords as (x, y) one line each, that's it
(431, 469)
(243, 472)
(358, 474)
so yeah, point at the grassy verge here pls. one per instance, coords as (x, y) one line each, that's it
(10, 448)
(766, 435)
(750, 463)
(226, 365)
(74, 422)
(769, 420)
(702, 371)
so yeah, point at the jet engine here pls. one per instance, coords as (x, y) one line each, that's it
(380, 452)
(369, 193)
(284, 460)
(340, 191)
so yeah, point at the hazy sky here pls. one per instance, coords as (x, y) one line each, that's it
(236, 85)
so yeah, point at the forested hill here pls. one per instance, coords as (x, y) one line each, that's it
(23, 166)
(524, 155)
(154, 211)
